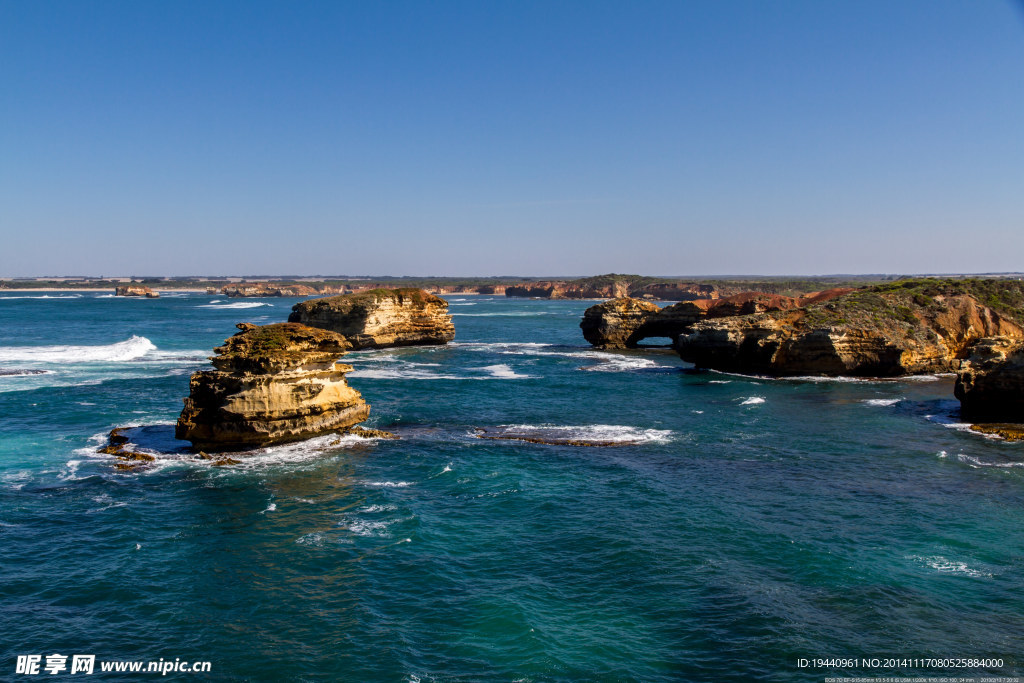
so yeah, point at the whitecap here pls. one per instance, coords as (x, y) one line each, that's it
(595, 433)
(44, 296)
(881, 401)
(978, 462)
(130, 349)
(315, 539)
(379, 508)
(945, 565)
(363, 527)
(388, 484)
(752, 401)
(503, 371)
(270, 508)
(236, 305)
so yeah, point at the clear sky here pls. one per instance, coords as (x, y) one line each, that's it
(493, 138)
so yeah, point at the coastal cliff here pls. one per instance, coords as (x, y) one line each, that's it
(908, 327)
(271, 384)
(380, 318)
(990, 382)
(612, 286)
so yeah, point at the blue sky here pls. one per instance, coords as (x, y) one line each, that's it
(493, 138)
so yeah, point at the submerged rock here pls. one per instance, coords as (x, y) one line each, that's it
(909, 327)
(118, 446)
(1007, 432)
(380, 318)
(990, 383)
(271, 384)
(367, 433)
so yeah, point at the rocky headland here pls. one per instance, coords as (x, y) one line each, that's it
(133, 290)
(271, 384)
(626, 321)
(903, 328)
(380, 317)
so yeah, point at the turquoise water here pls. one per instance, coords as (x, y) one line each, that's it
(746, 524)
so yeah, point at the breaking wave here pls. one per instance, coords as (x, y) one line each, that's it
(130, 349)
(236, 305)
(592, 434)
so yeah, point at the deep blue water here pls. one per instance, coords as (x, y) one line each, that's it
(747, 523)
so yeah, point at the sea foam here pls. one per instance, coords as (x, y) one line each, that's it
(130, 349)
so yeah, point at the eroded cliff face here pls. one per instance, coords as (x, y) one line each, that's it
(271, 384)
(870, 332)
(380, 318)
(267, 290)
(990, 382)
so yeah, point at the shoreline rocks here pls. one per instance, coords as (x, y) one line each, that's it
(271, 384)
(380, 318)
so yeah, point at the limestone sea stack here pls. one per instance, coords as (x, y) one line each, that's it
(618, 323)
(990, 383)
(271, 384)
(379, 318)
(132, 290)
(907, 327)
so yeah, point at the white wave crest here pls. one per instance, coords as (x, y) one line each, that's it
(944, 565)
(592, 433)
(44, 296)
(236, 305)
(503, 371)
(130, 349)
(752, 401)
(389, 367)
(881, 401)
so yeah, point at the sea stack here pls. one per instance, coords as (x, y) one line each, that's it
(618, 323)
(271, 384)
(133, 290)
(380, 318)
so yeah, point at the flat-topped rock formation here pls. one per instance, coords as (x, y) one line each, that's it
(907, 327)
(611, 287)
(134, 290)
(990, 382)
(267, 290)
(271, 384)
(380, 317)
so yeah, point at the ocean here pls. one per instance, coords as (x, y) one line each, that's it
(735, 529)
